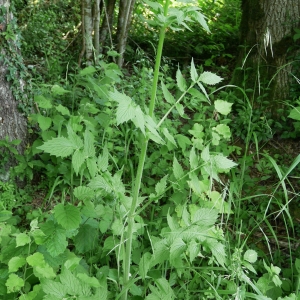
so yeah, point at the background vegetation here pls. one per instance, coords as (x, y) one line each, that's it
(157, 180)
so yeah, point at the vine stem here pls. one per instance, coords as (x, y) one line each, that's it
(142, 157)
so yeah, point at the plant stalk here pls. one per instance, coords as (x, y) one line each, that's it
(142, 157)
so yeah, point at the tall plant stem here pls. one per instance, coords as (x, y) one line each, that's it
(142, 157)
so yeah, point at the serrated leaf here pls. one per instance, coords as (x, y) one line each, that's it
(92, 166)
(193, 159)
(224, 130)
(169, 137)
(181, 82)
(42, 101)
(223, 107)
(86, 239)
(194, 184)
(55, 241)
(117, 227)
(201, 19)
(160, 187)
(139, 119)
(91, 281)
(183, 141)
(77, 160)
(72, 284)
(40, 268)
(205, 154)
(99, 183)
(250, 256)
(222, 162)
(204, 217)
(218, 251)
(167, 95)
(144, 264)
(15, 263)
(14, 283)
(89, 149)
(193, 250)
(194, 74)
(63, 110)
(54, 288)
(177, 169)
(44, 122)
(177, 248)
(210, 78)
(68, 216)
(58, 90)
(60, 147)
(87, 71)
(180, 109)
(22, 239)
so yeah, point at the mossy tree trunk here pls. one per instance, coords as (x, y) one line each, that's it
(13, 123)
(267, 32)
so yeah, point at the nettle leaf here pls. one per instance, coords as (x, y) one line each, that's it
(224, 163)
(223, 107)
(91, 281)
(55, 242)
(103, 159)
(69, 280)
(169, 137)
(160, 187)
(204, 217)
(67, 216)
(15, 263)
(295, 113)
(63, 110)
(14, 283)
(177, 248)
(92, 166)
(60, 147)
(89, 149)
(54, 288)
(168, 96)
(181, 82)
(218, 251)
(44, 122)
(86, 239)
(193, 249)
(42, 101)
(193, 159)
(76, 140)
(78, 160)
(100, 183)
(126, 109)
(139, 119)
(200, 18)
(250, 256)
(22, 239)
(194, 74)
(194, 184)
(154, 135)
(210, 78)
(177, 169)
(224, 130)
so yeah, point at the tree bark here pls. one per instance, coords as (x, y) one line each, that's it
(267, 27)
(13, 123)
(88, 30)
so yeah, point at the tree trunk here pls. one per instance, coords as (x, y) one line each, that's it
(13, 124)
(88, 30)
(267, 29)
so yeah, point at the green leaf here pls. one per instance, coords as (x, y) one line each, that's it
(60, 147)
(42, 101)
(160, 187)
(204, 217)
(91, 281)
(44, 122)
(193, 159)
(295, 113)
(58, 90)
(67, 216)
(77, 160)
(55, 242)
(89, 149)
(183, 141)
(177, 169)
(22, 239)
(54, 288)
(99, 183)
(222, 162)
(177, 248)
(168, 96)
(144, 264)
(200, 18)
(14, 283)
(218, 250)
(83, 193)
(91, 163)
(193, 249)
(70, 282)
(63, 110)
(139, 119)
(224, 130)
(250, 256)
(87, 71)
(181, 82)
(169, 137)
(5, 215)
(40, 268)
(223, 107)
(194, 74)
(15, 263)
(86, 239)
(210, 78)
(103, 159)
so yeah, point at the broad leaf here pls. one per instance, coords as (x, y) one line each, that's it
(250, 256)
(67, 216)
(295, 113)
(42, 101)
(177, 248)
(210, 78)
(60, 147)
(194, 74)
(205, 217)
(168, 96)
(160, 187)
(77, 160)
(223, 107)
(177, 169)
(103, 159)
(181, 82)
(44, 122)
(22, 239)
(86, 239)
(169, 137)
(15, 263)
(193, 159)
(54, 288)
(222, 162)
(14, 283)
